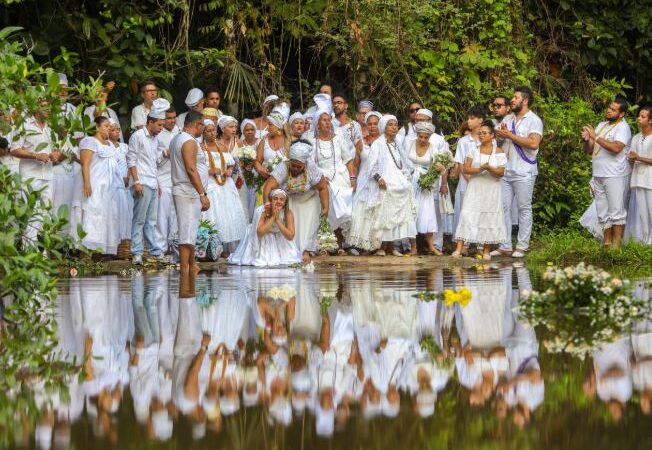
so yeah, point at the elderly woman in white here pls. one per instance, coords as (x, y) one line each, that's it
(302, 180)
(335, 159)
(396, 215)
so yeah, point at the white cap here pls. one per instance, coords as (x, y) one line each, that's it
(159, 108)
(63, 79)
(194, 96)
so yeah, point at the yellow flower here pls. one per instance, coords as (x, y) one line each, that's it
(549, 263)
(449, 297)
(465, 296)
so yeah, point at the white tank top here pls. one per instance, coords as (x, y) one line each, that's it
(181, 185)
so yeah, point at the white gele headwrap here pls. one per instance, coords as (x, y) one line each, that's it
(296, 116)
(270, 98)
(300, 151)
(424, 112)
(276, 119)
(382, 124)
(276, 192)
(244, 124)
(159, 108)
(284, 109)
(323, 101)
(225, 120)
(372, 114)
(424, 127)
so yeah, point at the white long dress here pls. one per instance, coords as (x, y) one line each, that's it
(124, 200)
(426, 200)
(270, 250)
(481, 218)
(304, 202)
(64, 176)
(99, 215)
(397, 211)
(332, 157)
(226, 211)
(361, 234)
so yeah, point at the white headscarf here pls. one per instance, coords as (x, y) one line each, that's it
(276, 119)
(424, 112)
(225, 120)
(424, 127)
(244, 124)
(208, 122)
(296, 116)
(384, 121)
(372, 114)
(270, 98)
(317, 115)
(323, 101)
(300, 151)
(276, 192)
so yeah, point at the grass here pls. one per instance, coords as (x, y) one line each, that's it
(566, 247)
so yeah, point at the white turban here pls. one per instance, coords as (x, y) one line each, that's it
(225, 120)
(276, 119)
(284, 109)
(208, 122)
(318, 114)
(244, 124)
(365, 104)
(300, 151)
(372, 114)
(194, 96)
(323, 101)
(424, 127)
(276, 192)
(270, 98)
(424, 112)
(385, 120)
(296, 116)
(159, 108)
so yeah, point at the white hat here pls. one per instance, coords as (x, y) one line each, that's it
(63, 79)
(425, 112)
(270, 98)
(223, 121)
(284, 109)
(300, 151)
(194, 96)
(323, 101)
(159, 108)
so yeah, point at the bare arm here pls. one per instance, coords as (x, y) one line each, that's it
(260, 160)
(528, 143)
(468, 168)
(264, 225)
(287, 228)
(269, 186)
(86, 156)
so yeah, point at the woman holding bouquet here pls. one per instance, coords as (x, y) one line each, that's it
(273, 147)
(424, 155)
(481, 219)
(302, 180)
(229, 216)
(269, 241)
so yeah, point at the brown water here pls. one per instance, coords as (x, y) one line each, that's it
(384, 371)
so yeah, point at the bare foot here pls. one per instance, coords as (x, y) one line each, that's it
(306, 257)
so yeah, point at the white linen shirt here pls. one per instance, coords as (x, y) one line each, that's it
(163, 160)
(642, 173)
(142, 154)
(31, 137)
(607, 164)
(528, 124)
(139, 116)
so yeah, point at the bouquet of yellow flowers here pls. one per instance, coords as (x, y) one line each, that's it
(462, 296)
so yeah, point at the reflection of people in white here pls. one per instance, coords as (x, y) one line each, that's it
(640, 155)
(609, 143)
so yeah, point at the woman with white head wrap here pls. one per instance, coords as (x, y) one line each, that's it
(302, 180)
(396, 215)
(124, 199)
(269, 239)
(297, 125)
(334, 156)
(266, 108)
(229, 218)
(274, 147)
(362, 217)
(422, 153)
(248, 132)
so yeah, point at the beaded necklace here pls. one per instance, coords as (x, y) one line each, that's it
(332, 155)
(391, 153)
(221, 179)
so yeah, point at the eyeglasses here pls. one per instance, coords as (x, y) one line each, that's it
(413, 110)
(498, 105)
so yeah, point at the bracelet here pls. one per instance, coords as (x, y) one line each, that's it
(203, 194)
(136, 182)
(352, 177)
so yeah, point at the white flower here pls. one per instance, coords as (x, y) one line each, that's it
(284, 292)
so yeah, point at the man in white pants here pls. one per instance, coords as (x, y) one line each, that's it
(521, 132)
(166, 218)
(190, 199)
(609, 143)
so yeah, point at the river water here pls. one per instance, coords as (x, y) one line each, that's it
(338, 358)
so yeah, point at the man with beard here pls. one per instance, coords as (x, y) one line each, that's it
(349, 128)
(521, 131)
(609, 142)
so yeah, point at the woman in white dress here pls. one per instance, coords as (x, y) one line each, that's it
(124, 200)
(481, 220)
(307, 189)
(247, 193)
(228, 216)
(640, 155)
(422, 153)
(269, 239)
(396, 216)
(274, 145)
(335, 159)
(99, 215)
(362, 215)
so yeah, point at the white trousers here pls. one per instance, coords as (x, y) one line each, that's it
(35, 224)
(611, 196)
(519, 190)
(166, 220)
(644, 206)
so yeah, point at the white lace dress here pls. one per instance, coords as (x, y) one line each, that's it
(360, 234)
(481, 218)
(226, 211)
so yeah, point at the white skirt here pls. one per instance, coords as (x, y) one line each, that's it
(340, 206)
(396, 215)
(481, 217)
(426, 211)
(307, 209)
(226, 211)
(100, 223)
(188, 216)
(361, 233)
(271, 250)
(125, 209)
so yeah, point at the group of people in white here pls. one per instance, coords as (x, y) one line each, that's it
(266, 184)
(261, 339)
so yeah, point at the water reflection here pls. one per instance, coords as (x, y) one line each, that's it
(325, 354)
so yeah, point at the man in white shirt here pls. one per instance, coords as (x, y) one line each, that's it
(609, 143)
(149, 93)
(142, 159)
(194, 101)
(521, 132)
(34, 148)
(350, 129)
(166, 220)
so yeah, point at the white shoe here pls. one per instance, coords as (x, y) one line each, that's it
(499, 253)
(381, 253)
(397, 253)
(137, 260)
(518, 254)
(456, 254)
(354, 252)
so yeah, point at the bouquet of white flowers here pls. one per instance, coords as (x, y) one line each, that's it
(275, 161)
(285, 292)
(246, 154)
(326, 240)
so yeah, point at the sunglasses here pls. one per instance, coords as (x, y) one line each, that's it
(413, 110)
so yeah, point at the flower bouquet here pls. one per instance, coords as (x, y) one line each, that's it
(247, 155)
(583, 307)
(275, 161)
(285, 292)
(427, 180)
(326, 240)
(208, 245)
(462, 296)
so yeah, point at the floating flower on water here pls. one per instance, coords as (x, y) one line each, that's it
(309, 268)
(285, 292)
(549, 263)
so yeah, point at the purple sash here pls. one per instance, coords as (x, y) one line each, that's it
(519, 150)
